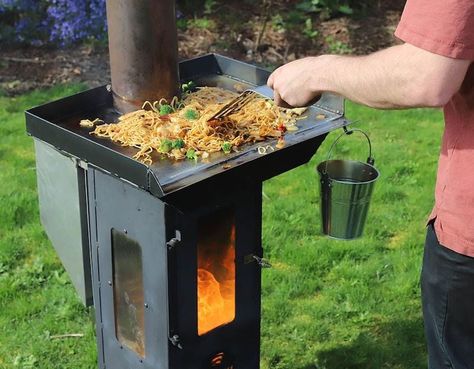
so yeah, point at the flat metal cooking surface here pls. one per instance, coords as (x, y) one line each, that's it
(58, 124)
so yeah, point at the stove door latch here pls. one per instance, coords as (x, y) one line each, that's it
(172, 243)
(264, 263)
(175, 341)
(175, 241)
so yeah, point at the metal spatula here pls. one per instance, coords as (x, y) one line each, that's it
(231, 107)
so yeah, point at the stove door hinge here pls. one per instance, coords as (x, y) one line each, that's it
(175, 241)
(176, 341)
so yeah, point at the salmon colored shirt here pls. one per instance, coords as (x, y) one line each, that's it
(446, 27)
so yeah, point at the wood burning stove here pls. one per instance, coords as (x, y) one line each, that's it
(169, 254)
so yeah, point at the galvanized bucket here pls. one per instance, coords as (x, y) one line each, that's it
(346, 187)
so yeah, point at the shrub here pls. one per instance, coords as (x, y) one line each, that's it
(22, 21)
(60, 22)
(330, 7)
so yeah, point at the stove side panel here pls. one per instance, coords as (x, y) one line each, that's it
(124, 214)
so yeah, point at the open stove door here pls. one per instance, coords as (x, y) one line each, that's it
(130, 274)
(63, 212)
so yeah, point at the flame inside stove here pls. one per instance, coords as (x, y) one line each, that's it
(216, 276)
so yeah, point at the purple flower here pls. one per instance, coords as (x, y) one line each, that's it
(62, 22)
(73, 21)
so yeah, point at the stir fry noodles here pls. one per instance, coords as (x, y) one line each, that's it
(180, 129)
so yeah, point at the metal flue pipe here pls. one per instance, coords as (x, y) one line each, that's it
(143, 47)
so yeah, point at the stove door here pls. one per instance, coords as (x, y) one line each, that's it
(215, 282)
(130, 274)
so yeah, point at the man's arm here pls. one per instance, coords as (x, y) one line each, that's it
(398, 77)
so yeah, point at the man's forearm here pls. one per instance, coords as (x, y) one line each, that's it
(398, 77)
(390, 78)
(376, 80)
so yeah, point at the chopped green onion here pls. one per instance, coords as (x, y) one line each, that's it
(188, 87)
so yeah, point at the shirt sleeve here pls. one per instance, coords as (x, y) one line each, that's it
(444, 27)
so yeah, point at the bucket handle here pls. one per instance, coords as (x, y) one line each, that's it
(348, 132)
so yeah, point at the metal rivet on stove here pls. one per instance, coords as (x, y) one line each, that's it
(110, 283)
(125, 231)
(146, 306)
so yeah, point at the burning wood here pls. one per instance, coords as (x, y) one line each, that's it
(216, 280)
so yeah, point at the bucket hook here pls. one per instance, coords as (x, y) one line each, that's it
(348, 132)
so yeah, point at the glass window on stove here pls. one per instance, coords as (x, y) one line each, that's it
(128, 292)
(216, 270)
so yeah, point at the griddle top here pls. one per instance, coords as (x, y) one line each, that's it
(57, 123)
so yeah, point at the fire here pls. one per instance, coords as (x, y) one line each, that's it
(215, 308)
(216, 282)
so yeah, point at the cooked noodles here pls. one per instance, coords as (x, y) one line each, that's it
(181, 130)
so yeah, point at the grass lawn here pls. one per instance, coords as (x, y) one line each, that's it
(326, 304)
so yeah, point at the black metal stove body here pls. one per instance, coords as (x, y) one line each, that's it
(146, 257)
(157, 244)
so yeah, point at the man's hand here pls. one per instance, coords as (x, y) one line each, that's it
(294, 83)
(402, 76)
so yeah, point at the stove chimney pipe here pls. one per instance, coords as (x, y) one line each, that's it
(143, 47)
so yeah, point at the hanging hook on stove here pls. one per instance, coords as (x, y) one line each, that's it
(262, 262)
(175, 341)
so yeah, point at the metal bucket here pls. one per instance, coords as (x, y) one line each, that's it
(346, 187)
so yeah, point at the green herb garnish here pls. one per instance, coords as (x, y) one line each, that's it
(166, 146)
(191, 114)
(178, 144)
(166, 109)
(226, 147)
(191, 154)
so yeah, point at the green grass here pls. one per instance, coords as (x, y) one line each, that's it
(37, 300)
(326, 303)
(352, 304)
